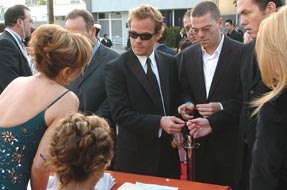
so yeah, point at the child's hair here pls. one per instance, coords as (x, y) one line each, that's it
(81, 147)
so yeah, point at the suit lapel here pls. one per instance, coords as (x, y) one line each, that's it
(164, 74)
(139, 73)
(197, 65)
(96, 61)
(222, 65)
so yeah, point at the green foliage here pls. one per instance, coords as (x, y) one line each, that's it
(42, 2)
(172, 31)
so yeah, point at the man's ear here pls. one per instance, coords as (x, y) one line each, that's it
(19, 21)
(270, 8)
(94, 30)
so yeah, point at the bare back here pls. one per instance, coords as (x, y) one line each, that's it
(25, 97)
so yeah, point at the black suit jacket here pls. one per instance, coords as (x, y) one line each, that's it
(178, 38)
(136, 112)
(252, 87)
(235, 36)
(90, 87)
(213, 160)
(107, 43)
(12, 61)
(269, 155)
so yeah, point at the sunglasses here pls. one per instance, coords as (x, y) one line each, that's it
(143, 36)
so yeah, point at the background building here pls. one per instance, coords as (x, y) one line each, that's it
(112, 15)
(39, 9)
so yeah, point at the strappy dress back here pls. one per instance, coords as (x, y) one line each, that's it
(18, 145)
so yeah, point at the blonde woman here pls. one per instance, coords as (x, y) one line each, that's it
(80, 151)
(31, 106)
(269, 155)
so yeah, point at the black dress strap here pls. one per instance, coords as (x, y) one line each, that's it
(58, 98)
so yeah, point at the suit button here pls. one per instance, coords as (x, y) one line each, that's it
(251, 92)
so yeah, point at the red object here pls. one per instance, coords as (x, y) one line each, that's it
(121, 178)
(183, 175)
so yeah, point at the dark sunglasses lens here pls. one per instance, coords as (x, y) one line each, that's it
(133, 34)
(144, 36)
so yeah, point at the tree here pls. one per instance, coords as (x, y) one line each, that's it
(50, 9)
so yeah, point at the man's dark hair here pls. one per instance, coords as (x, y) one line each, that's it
(263, 3)
(86, 15)
(13, 13)
(205, 7)
(229, 21)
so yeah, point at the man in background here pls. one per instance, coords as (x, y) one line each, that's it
(181, 35)
(14, 60)
(231, 32)
(161, 45)
(106, 41)
(186, 21)
(251, 12)
(90, 85)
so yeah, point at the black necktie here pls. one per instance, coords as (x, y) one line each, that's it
(154, 84)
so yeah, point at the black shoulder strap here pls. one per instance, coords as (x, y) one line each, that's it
(58, 98)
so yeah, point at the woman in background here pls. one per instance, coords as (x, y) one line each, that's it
(31, 106)
(80, 151)
(269, 156)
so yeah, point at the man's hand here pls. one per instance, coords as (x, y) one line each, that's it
(171, 124)
(208, 109)
(199, 127)
(186, 111)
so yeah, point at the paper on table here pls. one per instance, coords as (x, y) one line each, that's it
(155, 187)
(105, 183)
(144, 186)
(131, 186)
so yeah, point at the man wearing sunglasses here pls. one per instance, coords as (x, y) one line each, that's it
(141, 87)
(209, 78)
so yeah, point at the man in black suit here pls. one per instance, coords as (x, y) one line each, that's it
(251, 12)
(181, 35)
(209, 78)
(106, 41)
(231, 32)
(141, 87)
(90, 85)
(14, 60)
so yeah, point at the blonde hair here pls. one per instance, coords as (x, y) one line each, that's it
(148, 11)
(54, 48)
(81, 147)
(271, 46)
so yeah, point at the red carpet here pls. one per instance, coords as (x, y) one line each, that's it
(183, 171)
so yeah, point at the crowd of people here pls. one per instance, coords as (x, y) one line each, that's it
(81, 107)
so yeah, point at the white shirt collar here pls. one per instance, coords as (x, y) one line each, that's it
(143, 59)
(14, 34)
(218, 49)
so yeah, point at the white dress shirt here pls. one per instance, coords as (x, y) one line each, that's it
(209, 65)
